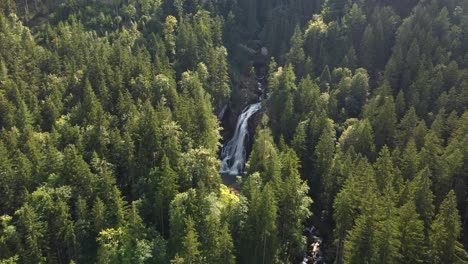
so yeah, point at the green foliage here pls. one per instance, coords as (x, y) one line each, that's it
(445, 230)
(360, 137)
(411, 235)
(190, 246)
(169, 36)
(218, 83)
(294, 204)
(296, 55)
(281, 102)
(33, 230)
(167, 189)
(109, 140)
(259, 234)
(264, 157)
(423, 196)
(382, 114)
(198, 168)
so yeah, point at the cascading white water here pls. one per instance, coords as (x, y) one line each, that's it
(234, 153)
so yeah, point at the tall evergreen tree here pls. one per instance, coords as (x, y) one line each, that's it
(445, 230)
(411, 235)
(190, 251)
(33, 232)
(293, 204)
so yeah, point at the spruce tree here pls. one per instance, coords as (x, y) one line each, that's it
(445, 231)
(410, 234)
(190, 251)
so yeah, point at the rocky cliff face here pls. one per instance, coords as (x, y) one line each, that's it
(245, 92)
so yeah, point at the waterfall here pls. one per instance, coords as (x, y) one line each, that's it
(234, 153)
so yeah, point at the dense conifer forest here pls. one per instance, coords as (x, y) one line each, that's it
(113, 114)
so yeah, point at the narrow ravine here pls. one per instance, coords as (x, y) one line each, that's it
(234, 156)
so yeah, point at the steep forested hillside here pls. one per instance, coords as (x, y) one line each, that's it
(110, 138)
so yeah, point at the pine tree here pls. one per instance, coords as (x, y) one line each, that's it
(410, 234)
(382, 114)
(225, 246)
(344, 219)
(406, 127)
(32, 231)
(258, 234)
(294, 204)
(190, 251)
(209, 228)
(358, 92)
(91, 108)
(109, 193)
(219, 82)
(420, 133)
(6, 180)
(134, 247)
(99, 216)
(296, 55)
(430, 156)
(76, 172)
(23, 116)
(412, 64)
(324, 161)
(445, 231)
(354, 23)
(423, 197)
(266, 216)
(50, 114)
(307, 100)
(400, 104)
(360, 246)
(387, 240)
(195, 113)
(325, 79)
(183, 205)
(298, 143)
(385, 171)
(82, 229)
(169, 36)
(64, 238)
(149, 138)
(264, 157)
(409, 161)
(167, 189)
(281, 102)
(360, 137)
